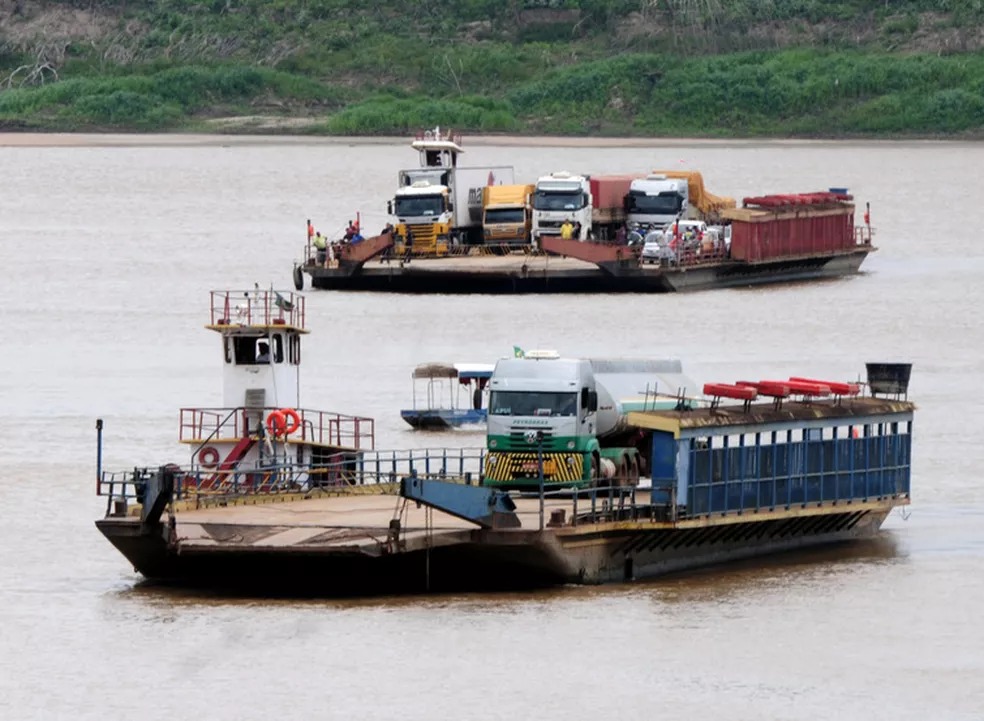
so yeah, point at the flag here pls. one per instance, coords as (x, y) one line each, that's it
(518, 352)
(282, 303)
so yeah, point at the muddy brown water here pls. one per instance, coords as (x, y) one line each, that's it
(109, 247)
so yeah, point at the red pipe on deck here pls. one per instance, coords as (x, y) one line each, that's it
(836, 387)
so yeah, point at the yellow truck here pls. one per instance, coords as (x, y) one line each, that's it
(506, 214)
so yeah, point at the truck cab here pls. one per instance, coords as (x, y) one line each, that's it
(656, 201)
(507, 214)
(423, 218)
(560, 197)
(541, 407)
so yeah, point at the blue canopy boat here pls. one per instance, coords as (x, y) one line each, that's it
(440, 386)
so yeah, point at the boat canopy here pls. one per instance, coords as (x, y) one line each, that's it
(435, 370)
(469, 371)
(462, 371)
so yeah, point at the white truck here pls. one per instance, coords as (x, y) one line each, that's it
(656, 201)
(437, 207)
(570, 414)
(665, 196)
(560, 197)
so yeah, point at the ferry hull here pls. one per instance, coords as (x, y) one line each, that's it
(463, 559)
(486, 275)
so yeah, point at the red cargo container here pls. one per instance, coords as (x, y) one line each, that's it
(609, 191)
(791, 225)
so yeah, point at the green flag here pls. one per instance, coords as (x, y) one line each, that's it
(518, 352)
(282, 303)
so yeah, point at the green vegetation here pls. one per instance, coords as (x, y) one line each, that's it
(635, 67)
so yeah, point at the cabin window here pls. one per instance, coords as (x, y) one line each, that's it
(250, 350)
(293, 349)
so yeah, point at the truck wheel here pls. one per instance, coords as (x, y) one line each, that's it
(622, 477)
(298, 278)
(634, 471)
(594, 480)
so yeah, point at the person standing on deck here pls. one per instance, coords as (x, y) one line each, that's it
(319, 245)
(567, 230)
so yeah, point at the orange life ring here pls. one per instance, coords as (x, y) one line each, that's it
(276, 423)
(292, 420)
(208, 457)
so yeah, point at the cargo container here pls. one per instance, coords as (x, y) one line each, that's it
(786, 226)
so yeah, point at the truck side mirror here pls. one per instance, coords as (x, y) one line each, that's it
(389, 207)
(589, 400)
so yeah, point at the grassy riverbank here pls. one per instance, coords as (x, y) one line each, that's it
(574, 68)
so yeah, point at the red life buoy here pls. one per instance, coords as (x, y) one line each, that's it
(292, 421)
(208, 457)
(276, 423)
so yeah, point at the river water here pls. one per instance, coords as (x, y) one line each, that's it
(108, 248)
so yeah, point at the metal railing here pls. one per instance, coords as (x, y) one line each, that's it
(322, 427)
(256, 307)
(339, 473)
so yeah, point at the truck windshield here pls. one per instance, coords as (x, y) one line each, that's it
(505, 215)
(551, 200)
(668, 203)
(521, 403)
(416, 205)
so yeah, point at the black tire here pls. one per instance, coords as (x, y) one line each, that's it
(594, 480)
(634, 471)
(298, 278)
(622, 475)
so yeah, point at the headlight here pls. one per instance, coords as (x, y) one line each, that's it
(570, 460)
(570, 445)
(493, 444)
(491, 461)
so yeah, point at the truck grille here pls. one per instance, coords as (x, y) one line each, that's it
(557, 467)
(517, 439)
(424, 239)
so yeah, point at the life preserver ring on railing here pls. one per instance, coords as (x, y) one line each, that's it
(276, 423)
(283, 422)
(292, 420)
(208, 457)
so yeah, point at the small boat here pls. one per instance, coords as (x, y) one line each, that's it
(438, 387)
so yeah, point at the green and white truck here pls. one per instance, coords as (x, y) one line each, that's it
(571, 415)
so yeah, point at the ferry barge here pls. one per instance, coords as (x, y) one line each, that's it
(438, 244)
(313, 507)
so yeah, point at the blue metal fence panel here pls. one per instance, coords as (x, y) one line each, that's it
(663, 465)
(776, 471)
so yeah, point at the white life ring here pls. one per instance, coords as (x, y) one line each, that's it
(208, 457)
